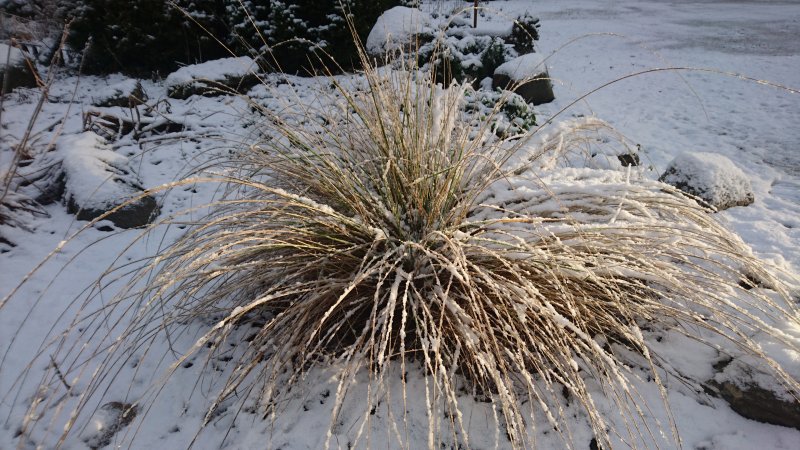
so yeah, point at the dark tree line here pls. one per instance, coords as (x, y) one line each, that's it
(151, 37)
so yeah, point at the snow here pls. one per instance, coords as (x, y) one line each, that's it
(751, 124)
(106, 422)
(395, 28)
(10, 55)
(123, 88)
(523, 67)
(219, 69)
(711, 176)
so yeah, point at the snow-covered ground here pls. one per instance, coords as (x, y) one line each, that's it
(670, 112)
(718, 109)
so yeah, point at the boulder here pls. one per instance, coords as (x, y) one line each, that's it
(16, 70)
(126, 94)
(212, 78)
(527, 76)
(751, 388)
(759, 404)
(710, 176)
(98, 180)
(397, 29)
(629, 159)
(133, 215)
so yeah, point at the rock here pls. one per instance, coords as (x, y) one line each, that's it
(537, 91)
(132, 215)
(527, 76)
(127, 94)
(397, 29)
(107, 422)
(16, 69)
(711, 177)
(759, 404)
(212, 78)
(97, 180)
(16, 76)
(755, 393)
(629, 159)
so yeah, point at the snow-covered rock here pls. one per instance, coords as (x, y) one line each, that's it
(14, 69)
(746, 384)
(710, 176)
(126, 93)
(211, 78)
(97, 180)
(759, 404)
(523, 67)
(396, 29)
(526, 75)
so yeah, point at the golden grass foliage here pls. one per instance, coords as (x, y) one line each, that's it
(371, 234)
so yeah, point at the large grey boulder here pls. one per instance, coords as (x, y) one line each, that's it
(212, 78)
(527, 76)
(710, 176)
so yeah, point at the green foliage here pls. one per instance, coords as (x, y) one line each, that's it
(257, 27)
(523, 33)
(296, 35)
(506, 112)
(495, 54)
(141, 37)
(471, 58)
(246, 18)
(443, 60)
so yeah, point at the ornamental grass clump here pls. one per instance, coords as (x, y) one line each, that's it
(384, 231)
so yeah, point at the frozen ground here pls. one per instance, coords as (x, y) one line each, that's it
(665, 112)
